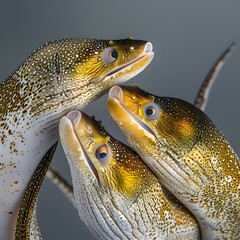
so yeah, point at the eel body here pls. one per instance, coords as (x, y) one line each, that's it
(57, 77)
(27, 226)
(117, 195)
(187, 152)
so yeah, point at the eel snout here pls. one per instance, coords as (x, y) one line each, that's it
(75, 117)
(117, 93)
(67, 131)
(148, 47)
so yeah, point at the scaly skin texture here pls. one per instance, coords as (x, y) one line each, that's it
(187, 152)
(117, 195)
(57, 77)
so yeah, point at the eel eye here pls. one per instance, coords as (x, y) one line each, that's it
(109, 55)
(101, 153)
(151, 111)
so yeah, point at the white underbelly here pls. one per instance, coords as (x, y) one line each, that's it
(20, 154)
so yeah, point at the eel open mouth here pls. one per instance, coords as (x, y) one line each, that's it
(75, 118)
(141, 61)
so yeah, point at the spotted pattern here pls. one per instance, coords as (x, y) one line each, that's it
(121, 199)
(57, 77)
(193, 160)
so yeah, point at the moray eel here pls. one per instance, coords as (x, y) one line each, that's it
(187, 152)
(57, 77)
(117, 195)
(27, 226)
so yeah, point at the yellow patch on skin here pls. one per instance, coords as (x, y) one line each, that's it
(123, 179)
(89, 68)
(123, 185)
(123, 174)
(185, 128)
(130, 58)
(134, 102)
(119, 112)
(200, 166)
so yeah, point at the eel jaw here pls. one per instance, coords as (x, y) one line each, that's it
(72, 144)
(132, 68)
(116, 98)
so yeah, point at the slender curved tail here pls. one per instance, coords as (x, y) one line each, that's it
(63, 185)
(203, 93)
(26, 215)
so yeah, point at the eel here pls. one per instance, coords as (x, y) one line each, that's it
(27, 227)
(200, 101)
(117, 195)
(58, 77)
(203, 93)
(188, 154)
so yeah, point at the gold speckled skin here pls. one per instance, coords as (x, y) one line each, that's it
(26, 227)
(118, 197)
(187, 152)
(57, 77)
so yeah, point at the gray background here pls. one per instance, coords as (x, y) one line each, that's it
(187, 37)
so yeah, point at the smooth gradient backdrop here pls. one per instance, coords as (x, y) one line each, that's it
(187, 36)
